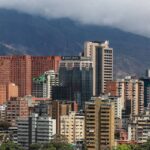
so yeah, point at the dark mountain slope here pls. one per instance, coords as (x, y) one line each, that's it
(25, 34)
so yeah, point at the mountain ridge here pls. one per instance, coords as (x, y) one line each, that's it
(35, 35)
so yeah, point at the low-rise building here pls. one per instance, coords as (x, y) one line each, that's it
(139, 128)
(16, 107)
(35, 129)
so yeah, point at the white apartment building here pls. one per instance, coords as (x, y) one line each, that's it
(51, 80)
(35, 129)
(139, 128)
(117, 105)
(73, 126)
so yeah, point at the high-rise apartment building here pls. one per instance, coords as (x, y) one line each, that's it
(21, 69)
(73, 127)
(76, 73)
(99, 124)
(131, 92)
(40, 64)
(16, 107)
(146, 80)
(5, 69)
(2, 94)
(102, 58)
(118, 105)
(42, 86)
(21, 74)
(35, 129)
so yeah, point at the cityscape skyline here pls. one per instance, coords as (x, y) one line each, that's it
(75, 97)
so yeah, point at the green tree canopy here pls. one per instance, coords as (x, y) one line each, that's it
(10, 146)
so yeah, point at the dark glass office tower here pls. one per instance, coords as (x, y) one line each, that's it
(76, 73)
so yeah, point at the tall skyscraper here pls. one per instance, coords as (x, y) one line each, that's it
(21, 69)
(146, 81)
(76, 73)
(99, 124)
(21, 74)
(102, 58)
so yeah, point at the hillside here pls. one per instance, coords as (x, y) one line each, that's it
(25, 34)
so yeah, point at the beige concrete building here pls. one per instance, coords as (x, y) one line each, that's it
(73, 127)
(99, 124)
(11, 91)
(131, 92)
(60, 108)
(7, 91)
(102, 58)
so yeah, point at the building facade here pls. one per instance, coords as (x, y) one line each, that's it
(21, 69)
(7, 91)
(76, 73)
(11, 91)
(131, 91)
(139, 128)
(3, 112)
(35, 129)
(16, 107)
(99, 124)
(73, 127)
(146, 81)
(62, 108)
(102, 58)
(42, 86)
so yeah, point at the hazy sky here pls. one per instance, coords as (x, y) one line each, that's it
(129, 15)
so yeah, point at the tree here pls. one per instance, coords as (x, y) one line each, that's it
(51, 146)
(10, 146)
(35, 146)
(4, 125)
(123, 147)
(48, 146)
(60, 142)
(145, 146)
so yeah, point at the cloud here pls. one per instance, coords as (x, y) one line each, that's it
(128, 15)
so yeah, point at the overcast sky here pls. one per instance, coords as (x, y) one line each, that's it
(129, 15)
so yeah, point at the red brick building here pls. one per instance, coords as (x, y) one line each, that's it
(40, 64)
(21, 74)
(21, 69)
